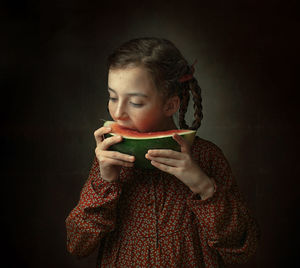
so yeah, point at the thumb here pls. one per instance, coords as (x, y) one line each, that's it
(184, 146)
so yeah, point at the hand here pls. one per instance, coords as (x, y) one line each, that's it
(182, 166)
(110, 162)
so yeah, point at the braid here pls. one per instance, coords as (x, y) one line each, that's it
(196, 93)
(183, 108)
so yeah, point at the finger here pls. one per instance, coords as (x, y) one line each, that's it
(115, 162)
(106, 143)
(166, 161)
(185, 147)
(165, 153)
(118, 156)
(98, 134)
(165, 168)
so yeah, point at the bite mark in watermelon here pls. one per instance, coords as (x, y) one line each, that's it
(138, 143)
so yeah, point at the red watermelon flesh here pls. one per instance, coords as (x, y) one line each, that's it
(129, 133)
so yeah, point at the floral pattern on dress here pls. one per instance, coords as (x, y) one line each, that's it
(149, 218)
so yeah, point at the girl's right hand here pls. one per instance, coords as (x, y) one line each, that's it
(110, 162)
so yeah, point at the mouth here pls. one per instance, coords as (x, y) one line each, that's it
(127, 127)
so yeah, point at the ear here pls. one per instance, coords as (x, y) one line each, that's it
(171, 105)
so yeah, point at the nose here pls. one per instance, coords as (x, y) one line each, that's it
(120, 112)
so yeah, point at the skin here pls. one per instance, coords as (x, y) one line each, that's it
(137, 104)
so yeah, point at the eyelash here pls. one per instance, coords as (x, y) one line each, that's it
(134, 104)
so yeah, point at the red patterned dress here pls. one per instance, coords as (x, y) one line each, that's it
(151, 219)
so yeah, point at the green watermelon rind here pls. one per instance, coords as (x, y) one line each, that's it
(140, 146)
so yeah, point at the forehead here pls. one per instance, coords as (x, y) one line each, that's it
(131, 79)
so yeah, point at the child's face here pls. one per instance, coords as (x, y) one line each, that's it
(134, 100)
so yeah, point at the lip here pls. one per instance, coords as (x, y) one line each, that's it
(126, 126)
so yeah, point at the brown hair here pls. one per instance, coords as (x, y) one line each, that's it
(166, 65)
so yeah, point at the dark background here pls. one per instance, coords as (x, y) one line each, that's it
(53, 87)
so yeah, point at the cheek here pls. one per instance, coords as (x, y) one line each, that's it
(110, 108)
(147, 121)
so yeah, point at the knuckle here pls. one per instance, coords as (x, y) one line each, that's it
(116, 155)
(117, 138)
(97, 132)
(186, 158)
(109, 141)
(186, 164)
(180, 172)
(99, 153)
(113, 154)
(168, 169)
(98, 150)
(102, 160)
(105, 143)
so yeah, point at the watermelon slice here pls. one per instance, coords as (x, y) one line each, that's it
(138, 143)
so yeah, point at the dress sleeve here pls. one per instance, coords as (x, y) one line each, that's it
(95, 214)
(228, 232)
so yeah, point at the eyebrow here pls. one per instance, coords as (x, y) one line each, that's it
(130, 94)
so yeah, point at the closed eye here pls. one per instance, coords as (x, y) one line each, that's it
(136, 104)
(132, 103)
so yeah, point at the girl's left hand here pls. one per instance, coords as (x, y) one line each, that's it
(182, 166)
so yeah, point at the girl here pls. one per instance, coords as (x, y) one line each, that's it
(188, 211)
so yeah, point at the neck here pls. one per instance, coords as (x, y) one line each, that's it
(168, 124)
